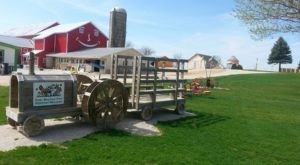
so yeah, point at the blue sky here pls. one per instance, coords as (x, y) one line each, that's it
(169, 27)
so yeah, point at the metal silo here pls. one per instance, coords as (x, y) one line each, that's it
(117, 28)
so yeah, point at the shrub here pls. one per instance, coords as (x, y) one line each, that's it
(237, 66)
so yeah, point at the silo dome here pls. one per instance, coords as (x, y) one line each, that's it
(118, 9)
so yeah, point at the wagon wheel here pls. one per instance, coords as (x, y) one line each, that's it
(180, 108)
(32, 126)
(11, 122)
(146, 113)
(106, 104)
(82, 79)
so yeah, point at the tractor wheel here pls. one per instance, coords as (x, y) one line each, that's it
(81, 80)
(105, 104)
(146, 113)
(32, 126)
(180, 108)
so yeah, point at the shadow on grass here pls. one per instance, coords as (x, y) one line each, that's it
(98, 136)
(191, 97)
(194, 122)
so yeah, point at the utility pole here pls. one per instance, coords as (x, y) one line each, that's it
(256, 65)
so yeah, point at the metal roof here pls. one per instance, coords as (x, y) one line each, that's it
(118, 9)
(96, 53)
(63, 28)
(232, 58)
(29, 30)
(33, 51)
(205, 57)
(18, 42)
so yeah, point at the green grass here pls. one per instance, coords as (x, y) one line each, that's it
(3, 103)
(257, 121)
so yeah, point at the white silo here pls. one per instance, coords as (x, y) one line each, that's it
(117, 27)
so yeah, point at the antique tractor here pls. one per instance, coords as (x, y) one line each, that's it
(34, 98)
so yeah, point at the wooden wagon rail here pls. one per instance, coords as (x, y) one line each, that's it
(149, 86)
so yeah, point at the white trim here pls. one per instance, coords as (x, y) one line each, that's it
(67, 42)
(44, 42)
(55, 43)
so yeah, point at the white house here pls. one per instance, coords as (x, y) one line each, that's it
(11, 49)
(201, 61)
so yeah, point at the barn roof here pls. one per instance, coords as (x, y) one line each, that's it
(96, 53)
(232, 58)
(205, 57)
(17, 42)
(63, 28)
(29, 30)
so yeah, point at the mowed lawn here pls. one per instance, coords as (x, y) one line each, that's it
(256, 121)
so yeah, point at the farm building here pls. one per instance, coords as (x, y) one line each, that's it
(29, 31)
(66, 38)
(63, 46)
(90, 59)
(12, 49)
(201, 61)
(232, 60)
(165, 64)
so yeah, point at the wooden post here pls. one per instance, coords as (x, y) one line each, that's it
(31, 63)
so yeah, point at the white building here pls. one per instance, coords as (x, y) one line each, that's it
(11, 49)
(201, 61)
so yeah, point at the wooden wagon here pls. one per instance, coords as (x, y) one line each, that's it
(151, 85)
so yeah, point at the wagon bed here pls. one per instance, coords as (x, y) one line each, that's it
(146, 80)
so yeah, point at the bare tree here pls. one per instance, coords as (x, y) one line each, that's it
(129, 44)
(146, 51)
(177, 56)
(267, 17)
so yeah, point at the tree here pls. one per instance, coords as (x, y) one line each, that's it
(298, 66)
(129, 44)
(237, 66)
(267, 17)
(280, 53)
(146, 51)
(177, 56)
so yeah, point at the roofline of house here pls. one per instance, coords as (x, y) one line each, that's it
(198, 54)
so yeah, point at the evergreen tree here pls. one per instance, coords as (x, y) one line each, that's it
(280, 53)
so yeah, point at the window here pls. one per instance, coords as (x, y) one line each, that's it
(1, 56)
(96, 33)
(81, 30)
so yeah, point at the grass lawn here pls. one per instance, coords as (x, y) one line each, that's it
(257, 121)
(3, 103)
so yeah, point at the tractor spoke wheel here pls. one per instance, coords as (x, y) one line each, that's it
(106, 103)
(81, 80)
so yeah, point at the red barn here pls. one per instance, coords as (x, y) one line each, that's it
(67, 38)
